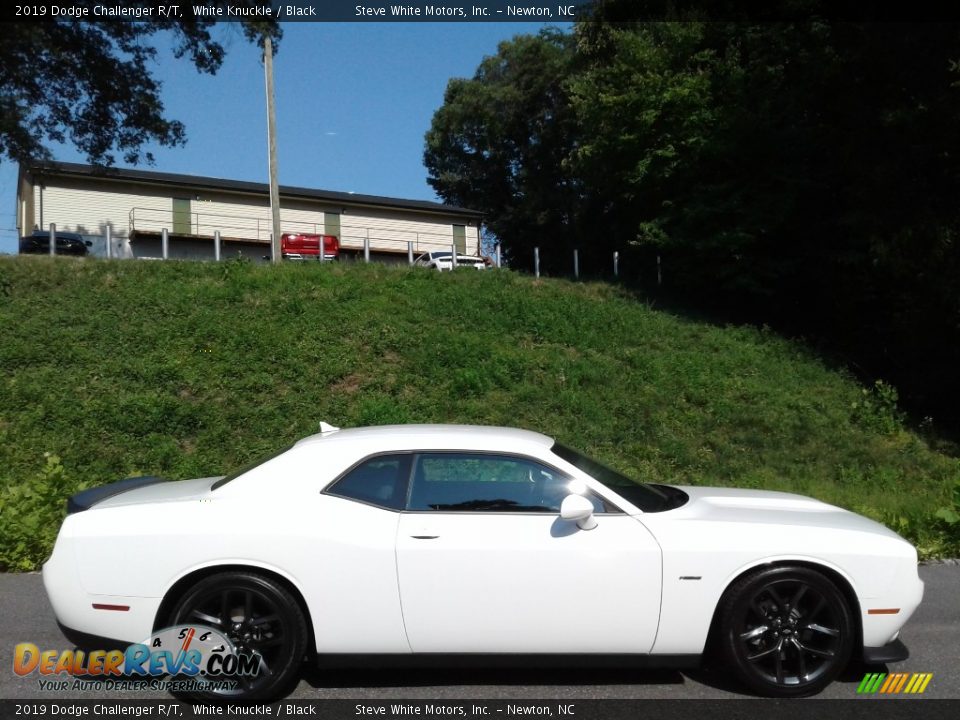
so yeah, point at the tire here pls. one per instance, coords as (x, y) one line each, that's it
(258, 615)
(786, 631)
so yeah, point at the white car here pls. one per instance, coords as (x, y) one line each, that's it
(443, 260)
(403, 540)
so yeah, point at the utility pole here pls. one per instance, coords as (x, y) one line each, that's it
(272, 151)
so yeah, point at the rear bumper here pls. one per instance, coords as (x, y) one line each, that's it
(83, 613)
(309, 256)
(895, 651)
(88, 642)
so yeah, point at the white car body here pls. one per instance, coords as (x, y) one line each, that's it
(386, 581)
(443, 260)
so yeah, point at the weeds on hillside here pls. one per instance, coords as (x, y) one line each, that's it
(184, 369)
(877, 409)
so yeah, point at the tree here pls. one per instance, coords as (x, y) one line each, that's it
(89, 83)
(500, 143)
(643, 101)
(802, 174)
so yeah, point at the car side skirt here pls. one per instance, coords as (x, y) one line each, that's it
(510, 660)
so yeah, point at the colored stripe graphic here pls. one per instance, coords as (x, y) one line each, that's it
(894, 683)
(903, 681)
(871, 683)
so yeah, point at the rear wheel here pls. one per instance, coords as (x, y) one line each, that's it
(786, 631)
(259, 617)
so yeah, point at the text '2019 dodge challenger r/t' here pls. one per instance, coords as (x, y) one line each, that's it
(412, 540)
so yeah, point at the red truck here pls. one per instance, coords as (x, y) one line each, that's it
(306, 246)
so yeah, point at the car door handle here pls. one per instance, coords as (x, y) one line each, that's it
(424, 537)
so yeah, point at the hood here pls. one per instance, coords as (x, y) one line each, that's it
(767, 507)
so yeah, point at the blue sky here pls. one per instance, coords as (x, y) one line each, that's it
(353, 103)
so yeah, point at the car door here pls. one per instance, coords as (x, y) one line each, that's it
(486, 564)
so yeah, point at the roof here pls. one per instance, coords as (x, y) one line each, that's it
(433, 436)
(242, 186)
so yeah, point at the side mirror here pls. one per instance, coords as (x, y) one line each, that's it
(578, 508)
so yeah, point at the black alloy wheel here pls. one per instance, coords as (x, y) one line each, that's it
(260, 617)
(786, 631)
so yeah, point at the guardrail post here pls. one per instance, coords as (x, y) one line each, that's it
(576, 264)
(410, 253)
(53, 238)
(453, 256)
(659, 272)
(536, 262)
(616, 263)
(366, 247)
(498, 255)
(165, 243)
(109, 242)
(216, 245)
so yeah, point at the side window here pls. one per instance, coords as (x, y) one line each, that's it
(476, 482)
(380, 481)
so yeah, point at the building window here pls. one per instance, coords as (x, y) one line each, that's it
(331, 223)
(181, 217)
(460, 238)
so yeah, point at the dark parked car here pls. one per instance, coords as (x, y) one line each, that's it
(67, 243)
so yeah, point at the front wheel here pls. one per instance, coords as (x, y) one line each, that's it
(260, 618)
(786, 631)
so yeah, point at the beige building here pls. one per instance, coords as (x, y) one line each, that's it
(137, 205)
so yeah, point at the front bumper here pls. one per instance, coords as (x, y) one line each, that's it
(894, 651)
(883, 617)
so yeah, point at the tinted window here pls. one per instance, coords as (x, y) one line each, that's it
(471, 482)
(380, 480)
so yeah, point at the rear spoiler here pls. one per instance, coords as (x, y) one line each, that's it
(86, 499)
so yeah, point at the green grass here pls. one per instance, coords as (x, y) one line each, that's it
(190, 369)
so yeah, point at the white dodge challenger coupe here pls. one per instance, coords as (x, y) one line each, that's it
(411, 540)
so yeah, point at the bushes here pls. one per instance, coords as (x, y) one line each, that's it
(30, 515)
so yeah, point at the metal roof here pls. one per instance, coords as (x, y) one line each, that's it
(433, 436)
(242, 186)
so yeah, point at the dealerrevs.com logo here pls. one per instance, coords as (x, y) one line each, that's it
(200, 658)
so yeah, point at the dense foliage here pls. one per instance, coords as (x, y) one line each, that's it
(90, 83)
(182, 369)
(802, 174)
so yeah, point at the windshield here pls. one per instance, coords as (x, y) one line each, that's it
(646, 497)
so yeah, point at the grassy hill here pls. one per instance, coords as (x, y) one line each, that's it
(111, 369)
